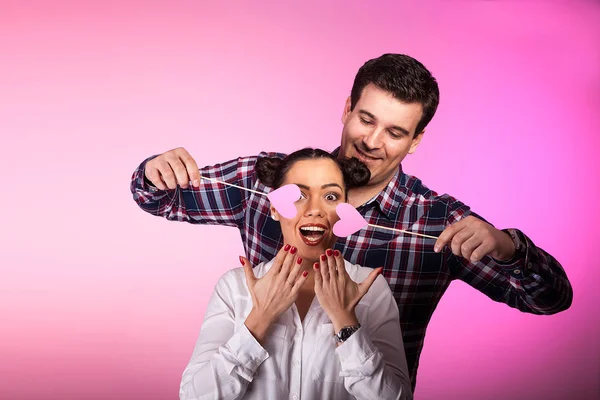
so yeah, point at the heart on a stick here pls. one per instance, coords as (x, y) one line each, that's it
(283, 200)
(350, 220)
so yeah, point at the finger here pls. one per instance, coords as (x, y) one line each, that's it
(166, 173)
(192, 168)
(365, 285)
(295, 270)
(331, 264)
(460, 238)
(340, 266)
(446, 236)
(248, 271)
(180, 171)
(278, 260)
(469, 245)
(481, 251)
(300, 282)
(154, 176)
(288, 262)
(318, 277)
(324, 268)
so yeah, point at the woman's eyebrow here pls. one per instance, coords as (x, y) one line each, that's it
(305, 187)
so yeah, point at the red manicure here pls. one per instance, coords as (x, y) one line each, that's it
(293, 250)
(316, 265)
(329, 252)
(286, 248)
(305, 274)
(242, 260)
(323, 257)
(336, 253)
(299, 260)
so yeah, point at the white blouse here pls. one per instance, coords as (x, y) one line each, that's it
(299, 359)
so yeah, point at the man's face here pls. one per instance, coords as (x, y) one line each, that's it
(380, 132)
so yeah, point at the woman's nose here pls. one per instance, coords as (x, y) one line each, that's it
(314, 208)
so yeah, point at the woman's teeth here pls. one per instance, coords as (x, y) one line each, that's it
(312, 233)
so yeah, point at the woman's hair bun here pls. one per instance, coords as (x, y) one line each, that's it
(268, 169)
(355, 172)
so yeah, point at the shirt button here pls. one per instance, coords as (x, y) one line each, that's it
(295, 397)
(296, 363)
(517, 271)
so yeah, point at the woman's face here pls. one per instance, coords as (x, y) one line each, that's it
(321, 184)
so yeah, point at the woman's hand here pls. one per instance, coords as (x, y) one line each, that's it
(336, 292)
(275, 292)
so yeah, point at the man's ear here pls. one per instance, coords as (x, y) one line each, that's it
(415, 141)
(347, 110)
(274, 214)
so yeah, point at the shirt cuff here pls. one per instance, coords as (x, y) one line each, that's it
(519, 266)
(356, 355)
(248, 353)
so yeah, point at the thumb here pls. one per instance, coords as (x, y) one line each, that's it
(250, 277)
(366, 284)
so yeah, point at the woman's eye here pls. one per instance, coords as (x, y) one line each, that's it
(302, 197)
(331, 197)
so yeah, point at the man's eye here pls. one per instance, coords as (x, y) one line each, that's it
(366, 122)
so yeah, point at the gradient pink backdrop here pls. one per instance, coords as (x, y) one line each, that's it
(99, 300)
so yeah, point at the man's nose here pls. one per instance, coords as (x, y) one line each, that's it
(373, 139)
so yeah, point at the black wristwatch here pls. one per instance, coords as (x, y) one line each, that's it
(345, 333)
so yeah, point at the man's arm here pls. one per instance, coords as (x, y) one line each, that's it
(203, 202)
(527, 278)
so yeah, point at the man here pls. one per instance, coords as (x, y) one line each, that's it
(393, 99)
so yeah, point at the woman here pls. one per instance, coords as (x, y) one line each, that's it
(299, 326)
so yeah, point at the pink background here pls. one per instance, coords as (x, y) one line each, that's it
(99, 300)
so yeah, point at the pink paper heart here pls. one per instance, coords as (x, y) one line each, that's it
(283, 200)
(350, 220)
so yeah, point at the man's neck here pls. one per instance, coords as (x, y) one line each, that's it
(359, 196)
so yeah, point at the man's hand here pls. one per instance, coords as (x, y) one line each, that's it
(175, 167)
(474, 239)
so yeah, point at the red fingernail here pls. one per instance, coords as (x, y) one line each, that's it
(299, 260)
(336, 253)
(305, 274)
(329, 252)
(286, 248)
(242, 260)
(323, 257)
(316, 265)
(293, 250)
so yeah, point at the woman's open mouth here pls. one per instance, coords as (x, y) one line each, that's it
(312, 234)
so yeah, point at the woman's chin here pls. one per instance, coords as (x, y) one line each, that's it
(312, 253)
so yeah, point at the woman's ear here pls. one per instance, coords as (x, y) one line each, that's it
(274, 214)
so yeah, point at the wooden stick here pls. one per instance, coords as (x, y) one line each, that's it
(231, 184)
(373, 225)
(402, 231)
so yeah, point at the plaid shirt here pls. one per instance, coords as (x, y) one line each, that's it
(533, 281)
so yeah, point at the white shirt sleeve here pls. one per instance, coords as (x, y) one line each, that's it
(372, 360)
(225, 357)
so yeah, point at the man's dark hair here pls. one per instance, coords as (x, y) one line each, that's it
(405, 78)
